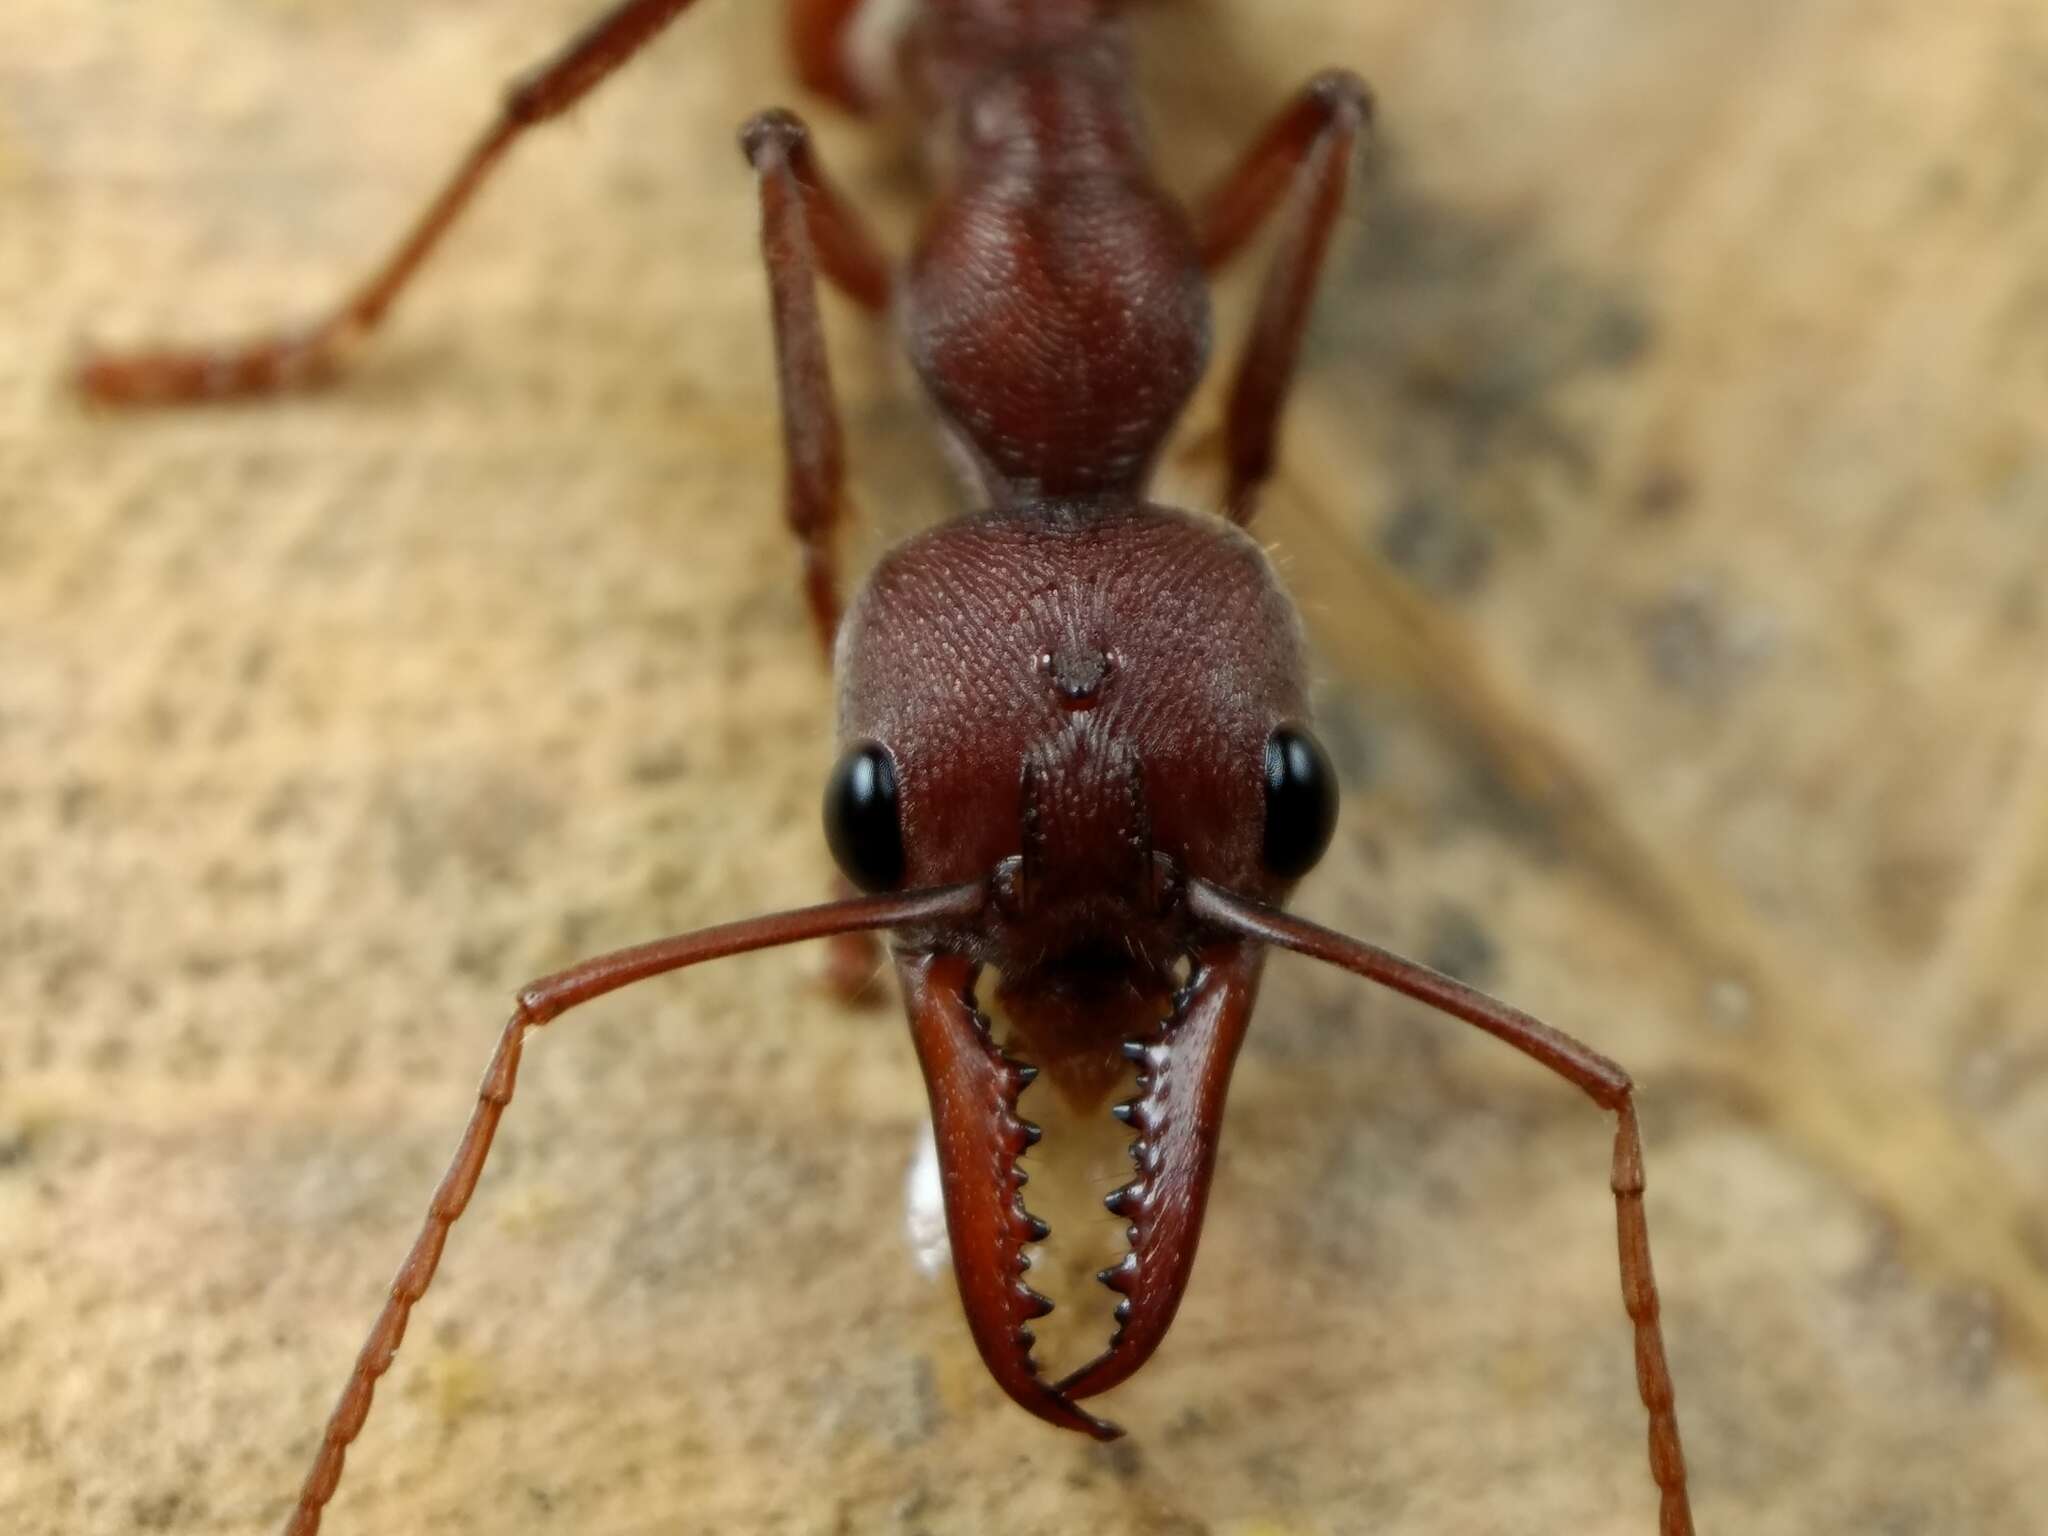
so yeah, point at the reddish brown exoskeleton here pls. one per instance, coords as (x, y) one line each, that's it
(1074, 723)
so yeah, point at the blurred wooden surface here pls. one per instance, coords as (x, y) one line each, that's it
(1669, 494)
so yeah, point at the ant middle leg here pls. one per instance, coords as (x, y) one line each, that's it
(1306, 152)
(300, 356)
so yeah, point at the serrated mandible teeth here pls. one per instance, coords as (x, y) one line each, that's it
(1121, 1275)
(972, 1092)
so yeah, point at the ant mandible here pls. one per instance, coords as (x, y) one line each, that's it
(1074, 721)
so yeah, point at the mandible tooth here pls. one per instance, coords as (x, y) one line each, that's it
(1120, 1276)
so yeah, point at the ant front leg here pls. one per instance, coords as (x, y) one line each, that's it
(1305, 151)
(808, 228)
(290, 359)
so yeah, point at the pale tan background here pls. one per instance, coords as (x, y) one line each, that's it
(1670, 496)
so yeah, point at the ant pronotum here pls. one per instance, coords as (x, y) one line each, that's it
(1075, 748)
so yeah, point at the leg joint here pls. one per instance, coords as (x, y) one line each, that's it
(777, 134)
(1344, 95)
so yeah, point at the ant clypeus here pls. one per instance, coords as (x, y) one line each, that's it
(1075, 747)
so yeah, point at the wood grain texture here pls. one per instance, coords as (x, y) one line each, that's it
(1669, 493)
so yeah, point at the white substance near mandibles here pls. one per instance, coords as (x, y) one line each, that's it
(924, 1216)
(873, 38)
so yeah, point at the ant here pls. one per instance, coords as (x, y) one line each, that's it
(1074, 722)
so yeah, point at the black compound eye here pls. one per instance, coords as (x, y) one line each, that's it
(864, 820)
(1301, 802)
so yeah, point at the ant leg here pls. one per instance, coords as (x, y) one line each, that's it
(1601, 1080)
(540, 1003)
(289, 359)
(853, 963)
(1306, 150)
(808, 228)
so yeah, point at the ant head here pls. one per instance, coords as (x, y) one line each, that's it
(1086, 707)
